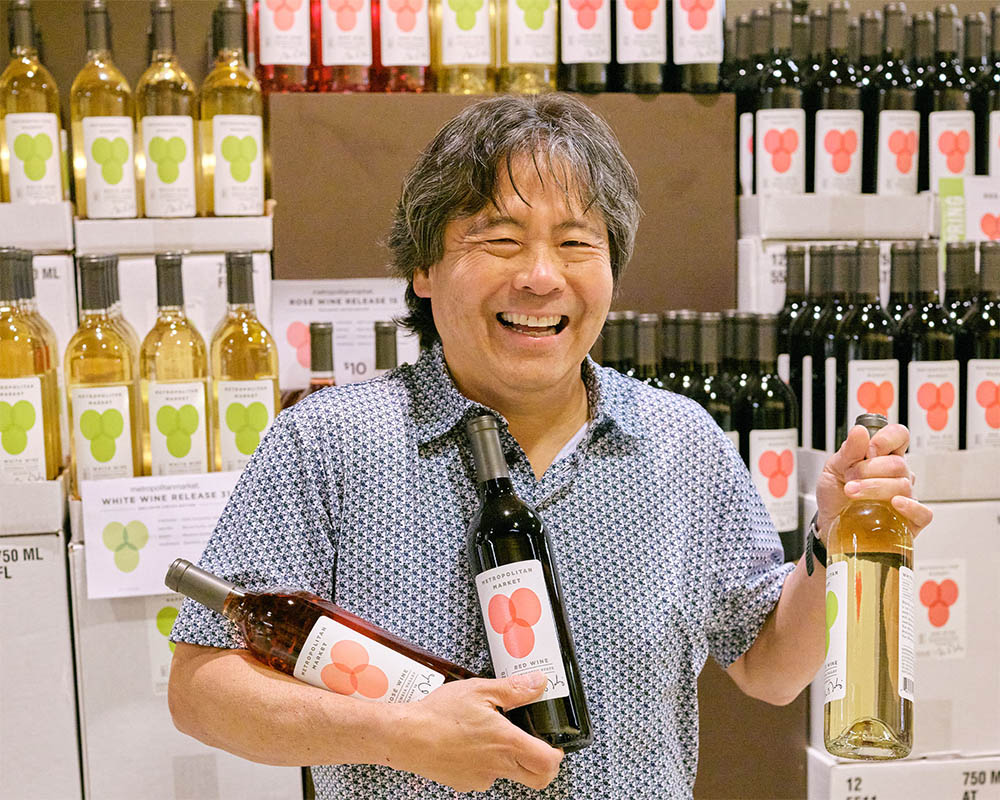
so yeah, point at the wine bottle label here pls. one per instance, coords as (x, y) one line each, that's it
(698, 35)
(898, 151)
(102, 432)
(284, 34)
(784, 367)
(520, 625)
(982, 421)
(245, 411)
(531, 35)
(339, 659)
(872, 388)
(835, 665)
(774, 468)
(405, 36)
(35, 171)
(807, 401)
(734, 437)
(932, 416)
(907, 634)
(952, 145)
(641, 33)
(830, 404)
(107, 142)
(177, 428)
(168, 145)
(942, 632)
(779, 151)
(465, 35)
(745, 145)
(993, 150)
(586, 33)
(838, 152)
(347, 34)
(22, 430)
(238, 143)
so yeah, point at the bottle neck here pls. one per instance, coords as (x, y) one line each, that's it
(321, 377)
(24, 53)
(90, 316)
(230, 57)
(102, 55)
(497, 487)
(241, 310)
(170, 311)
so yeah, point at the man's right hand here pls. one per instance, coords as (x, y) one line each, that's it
(456, 735)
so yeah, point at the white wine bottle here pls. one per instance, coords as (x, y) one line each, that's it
(29, 119)
(244, 360)
(868, 675)
(529, 38)
(173, 378)
(463, 44)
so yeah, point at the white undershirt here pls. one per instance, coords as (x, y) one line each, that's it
(570, 447)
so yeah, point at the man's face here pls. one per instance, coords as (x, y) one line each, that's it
(521, 293)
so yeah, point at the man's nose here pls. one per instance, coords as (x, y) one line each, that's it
(541, 273)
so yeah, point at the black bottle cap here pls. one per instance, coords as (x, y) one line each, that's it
(766, 326)
(903, 265)
(868, 270)
(27, 272)
(612, 336)
(820, 270)
(94, 284)
(839, 19)
(946, 33)
(687, 335)
(321, 346)
(845, 266)
(927, 266)
(239, 278)
(760, 32)
(21, 27)
(744, 38)
(894, 34)
(923, 37)
(161, 14)
(871, 34)
(649, 339)
(114, 290)
(385, 345)
(975, 37)
(10, 265)
(743, 332)
(795, 269)
(201, 586)
(169, 282)
(960, 267)
(989, 267)
(229, 25)
(709, 325)
(800, 38)
(668, 335)
(98, 25)
(781, 26)
(819, 28)
(628, 336)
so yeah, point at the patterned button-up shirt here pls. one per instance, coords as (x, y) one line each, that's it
(666, 554)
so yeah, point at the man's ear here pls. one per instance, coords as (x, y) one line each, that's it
(422, 283)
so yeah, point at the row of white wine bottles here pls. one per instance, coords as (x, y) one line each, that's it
(169, 150)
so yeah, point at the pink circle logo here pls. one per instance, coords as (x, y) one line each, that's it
(297, 336)
(697, 11)
(350, 672)
(586, 12)
(513, 618)
(904, 147)
(990, 225)
(954, 146)
(777, 468)
(347, 12)
(876, 398)
(841, 146)
(988, 396)
(284, 12)
(936, 400)
(781, 145)
(937, 597)
(406, 13)
(642, 12)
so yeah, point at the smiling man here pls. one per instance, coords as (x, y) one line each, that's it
(513, 229)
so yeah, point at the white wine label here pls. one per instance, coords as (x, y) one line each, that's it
(952, 145)
(838, 152)
(586, 33)
(872, 388)
(35, 169)
(22, 431)
(774, 468)
(465, 34)
(907, 634)
(931, 414)
(698, 35)
(347, 33)
(161, 611)
(941, 612)
(531, 35)
(745, 145)
(339, 659)
(807, 401)
(734, 437)
(982, 420)
(102, 432)
(641, 34)
(238, 143)
(993, 151)
(178, 430)
(898, 151)
(520, 625)
(284, 33)
(830, 404)
(245, 411)
(405, 36)
(784, 367)
(168, 145)
(779, 150)
(835, 664)
(107, 142)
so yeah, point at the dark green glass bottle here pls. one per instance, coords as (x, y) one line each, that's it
(824, 364)
(902, 279)
(795, 303)
(952, 123)
(800, 41)
(871, 45)
(686, 375)
(647, 367)
(959, 280)
(992, 92)
(640, 53)
(710, 391)
(800, 334)
(585, 53)
(611, 337)
(742, 343)
(696, 45)
(922, 68)
(979, 358)
(751, 32)
(818, 31)
(975, 64)
(668, 348)
(627, 351)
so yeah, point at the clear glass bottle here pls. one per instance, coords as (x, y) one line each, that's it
(463, 46)
(527, 50)
(115, 308)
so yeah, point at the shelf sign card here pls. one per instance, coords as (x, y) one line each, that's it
(970, 209)
(136, 527)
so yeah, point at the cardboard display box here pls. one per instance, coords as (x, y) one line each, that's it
(198, 234)
(34, 507)
(817, 216)
(46, 227)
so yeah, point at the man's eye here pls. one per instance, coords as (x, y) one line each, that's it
(575, 243)
(502, 241)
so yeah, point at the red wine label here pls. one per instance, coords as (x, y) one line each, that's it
(807, 401)
(898, 150)
(698, 34)
(585, 28)
(33, 141)
(465, 34)
(405, 34)
(745, 145)
(835, 665)
(779, 150)
(22, 430)
(982, 421)
(347, 33)
(641, 32)
(284, 33)
(520, 625)
(872, 388)
(993, 151)
(907, 634)
(341, 660)
(838, 152)
(932, 415)
(531, 35)
(952, 146)
(774, 468)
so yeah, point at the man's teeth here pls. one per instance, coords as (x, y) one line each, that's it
(530, 322)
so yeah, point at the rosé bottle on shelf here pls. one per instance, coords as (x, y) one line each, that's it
(401, 41)
(341, 46)
(281, 44)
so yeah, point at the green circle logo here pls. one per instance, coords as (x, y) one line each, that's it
(34, 151)
(247, 422)
(167, 154)
(534, 12)
(111, 156)
(178, 425)
(465, 12)
(101, 430)
(15, 422)
(240, 154)
(125, 541)
(165, 619)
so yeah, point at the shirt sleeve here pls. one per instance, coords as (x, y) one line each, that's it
(277, 529)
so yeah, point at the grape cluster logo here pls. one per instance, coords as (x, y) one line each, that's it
(34, 151)
(351, 671)
(990, 225)
(937, 597)
(697, 11)
(987, 395)
(642, 12)
(513, 618)
(167, 154)
(284, 12)
(406, 13)
(125, 541)
(240, 154)
(534, 12)
(841, 145)
(936, 401)
(101, 430)
(781, 145)
(876, 398)
(954, 146)
(111, 155)
(247, 422)
(15, 422)
(777, 468)
(347, 12)
(903, 145)
(178, 425)
(297, 336)
(465, 12)
(831, 616)
(165, 618)
(586, 12)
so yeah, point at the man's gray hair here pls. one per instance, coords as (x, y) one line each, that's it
(458, 175)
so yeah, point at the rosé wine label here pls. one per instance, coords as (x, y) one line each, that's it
(774, 469)
(641, 34)
(982, 421)
(872, 388)
(347, 33)
(698, 32)
(898, 149)
(284, 32)
(931, 413)
(585, 28)
(779, 151)
(838, 152)
(952, 145)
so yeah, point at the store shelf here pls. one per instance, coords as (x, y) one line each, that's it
(814, 216)
(35, 507)
(45, 227)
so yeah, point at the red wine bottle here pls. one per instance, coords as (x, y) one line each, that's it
(992, 100)
(523, 610)
(976, 68)
(952, 123)
(902, 280)
(979, 358)
(819, 29)
(585, 47)
(800, 42)
(871, 46)
(824, 356)
(282, 46)
(742, 343)
(795, 303)
(959, 280)
(686, 375)
(922, 69)
(710, 391)
(401, 48)
(341, 47)
(317, 641)
(647, 367)
(640, 51)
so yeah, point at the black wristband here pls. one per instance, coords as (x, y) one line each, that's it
(815, 549)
